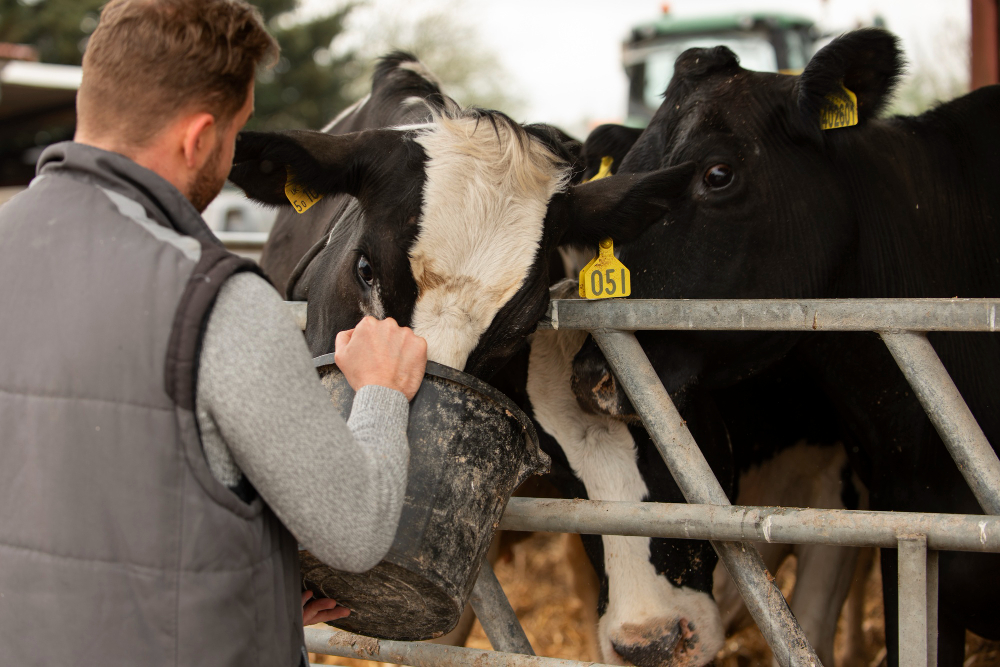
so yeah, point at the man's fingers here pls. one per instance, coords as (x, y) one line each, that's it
(382, 353)
(322, 610)
(343, 338)
(331, 615)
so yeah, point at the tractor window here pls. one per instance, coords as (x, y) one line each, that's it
(755, 53)
(797, 51)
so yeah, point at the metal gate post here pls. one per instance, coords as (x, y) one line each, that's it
(496, 615)
(699, 485)
(949, 413)
(917, 602)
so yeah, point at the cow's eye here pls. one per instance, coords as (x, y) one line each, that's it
(365, 270)
(719, 176)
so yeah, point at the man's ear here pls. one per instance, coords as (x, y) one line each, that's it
(620, 207)
(200, 139)
(321, 162)
(867, 62)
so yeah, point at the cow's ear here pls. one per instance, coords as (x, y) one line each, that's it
(867, 62)
(608, 140)
(620, 207)
(321, 162)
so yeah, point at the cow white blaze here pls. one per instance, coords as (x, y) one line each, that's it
(485, 197)
(643, 607)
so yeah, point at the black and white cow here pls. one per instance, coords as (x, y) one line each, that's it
(440, 217)
(779, 208)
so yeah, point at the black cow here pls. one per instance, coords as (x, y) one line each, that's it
(779, 208)
(440, 217)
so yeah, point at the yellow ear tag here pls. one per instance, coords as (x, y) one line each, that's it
(604, 276)
(301, 198)
(605, 169)
(839, 110)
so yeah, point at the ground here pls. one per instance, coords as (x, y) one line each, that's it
(540, 589)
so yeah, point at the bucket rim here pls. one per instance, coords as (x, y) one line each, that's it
(474, 383)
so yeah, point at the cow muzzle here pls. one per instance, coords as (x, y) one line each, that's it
(660, 643)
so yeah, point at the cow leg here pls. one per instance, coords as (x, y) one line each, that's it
(803, 475)
(648, 620)
(854, 611)
(823, 579)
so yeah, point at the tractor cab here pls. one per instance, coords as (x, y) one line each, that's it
(766, 42)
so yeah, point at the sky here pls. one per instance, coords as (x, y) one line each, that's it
(563, 57)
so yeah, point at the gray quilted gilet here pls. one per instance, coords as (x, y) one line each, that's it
(117, 545)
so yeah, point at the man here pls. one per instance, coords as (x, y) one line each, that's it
(164, 442)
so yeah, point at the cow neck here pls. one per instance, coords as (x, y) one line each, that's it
(164, 203)
(908, 231)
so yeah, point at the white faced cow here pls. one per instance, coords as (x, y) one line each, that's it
(440, 217)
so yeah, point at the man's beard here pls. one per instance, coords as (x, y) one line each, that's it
(206, 183)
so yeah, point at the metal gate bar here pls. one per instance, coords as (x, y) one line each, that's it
(698, 483)
(734, 523)
(775, 314)
(423, 654)
(950, 415)
(917, 602)
(496, 615)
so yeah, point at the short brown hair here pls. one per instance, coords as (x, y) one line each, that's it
(149, 60)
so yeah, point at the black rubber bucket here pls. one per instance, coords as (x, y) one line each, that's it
(470, 447)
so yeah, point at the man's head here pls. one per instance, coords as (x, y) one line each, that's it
(170, 82)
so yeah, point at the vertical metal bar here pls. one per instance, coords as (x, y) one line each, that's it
(913, 609)
(496, 615)
(950, 415)
(698, 484)
(932, 606)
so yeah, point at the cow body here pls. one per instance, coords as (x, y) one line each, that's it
(901, 207)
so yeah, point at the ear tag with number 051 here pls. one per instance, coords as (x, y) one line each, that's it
(604, 276)
(300, 197)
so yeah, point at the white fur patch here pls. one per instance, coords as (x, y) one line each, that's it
(373, 306)
(602, 453)
(485, 198)
(412, 101)
(420, 70)
(347, 112)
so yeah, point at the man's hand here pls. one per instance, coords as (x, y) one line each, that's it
(382, 352)
(321, 611)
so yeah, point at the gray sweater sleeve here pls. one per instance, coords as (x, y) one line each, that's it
(337, 486)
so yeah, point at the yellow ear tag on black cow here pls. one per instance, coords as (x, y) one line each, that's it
(301, 198)
(840, 109)
(604, 276)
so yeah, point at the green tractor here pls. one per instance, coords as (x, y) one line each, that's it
(766, 42)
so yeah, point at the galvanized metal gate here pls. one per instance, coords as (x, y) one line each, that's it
(902, 324)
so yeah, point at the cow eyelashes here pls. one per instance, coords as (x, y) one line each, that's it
(719, 176)
(365, 272)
